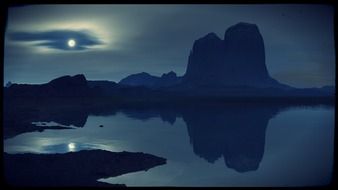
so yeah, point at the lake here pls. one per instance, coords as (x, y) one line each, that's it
(228, 146)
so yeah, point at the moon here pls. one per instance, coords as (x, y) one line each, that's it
(71, 43)
(71, 147)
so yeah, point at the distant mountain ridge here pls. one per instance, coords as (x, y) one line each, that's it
(150, 81)
(65, 86)
(78, 86)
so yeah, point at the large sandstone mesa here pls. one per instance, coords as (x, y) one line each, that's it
(238, 60)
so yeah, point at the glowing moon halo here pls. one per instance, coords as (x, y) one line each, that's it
(71, 43)
(71, 147)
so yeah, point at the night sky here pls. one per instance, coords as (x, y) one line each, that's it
(114, 41)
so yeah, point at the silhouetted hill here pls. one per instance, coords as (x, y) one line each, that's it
(65, 86)
(65, 82)
(104, 86)
(168, 79)
(150, 81)
(140, 79)
(101, 83)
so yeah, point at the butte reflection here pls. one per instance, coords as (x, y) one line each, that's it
(236, 133)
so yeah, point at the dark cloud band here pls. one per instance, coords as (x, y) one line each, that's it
(57, 39)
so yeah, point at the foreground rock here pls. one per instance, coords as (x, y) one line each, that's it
(81, 168)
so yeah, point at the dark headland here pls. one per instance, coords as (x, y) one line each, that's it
(81, 168)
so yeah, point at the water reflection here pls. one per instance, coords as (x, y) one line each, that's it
(223, 142)
(68, 147)
(236, 133)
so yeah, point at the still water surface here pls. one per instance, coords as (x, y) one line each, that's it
(258, 146)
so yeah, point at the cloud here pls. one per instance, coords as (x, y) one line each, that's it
(57, 39)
